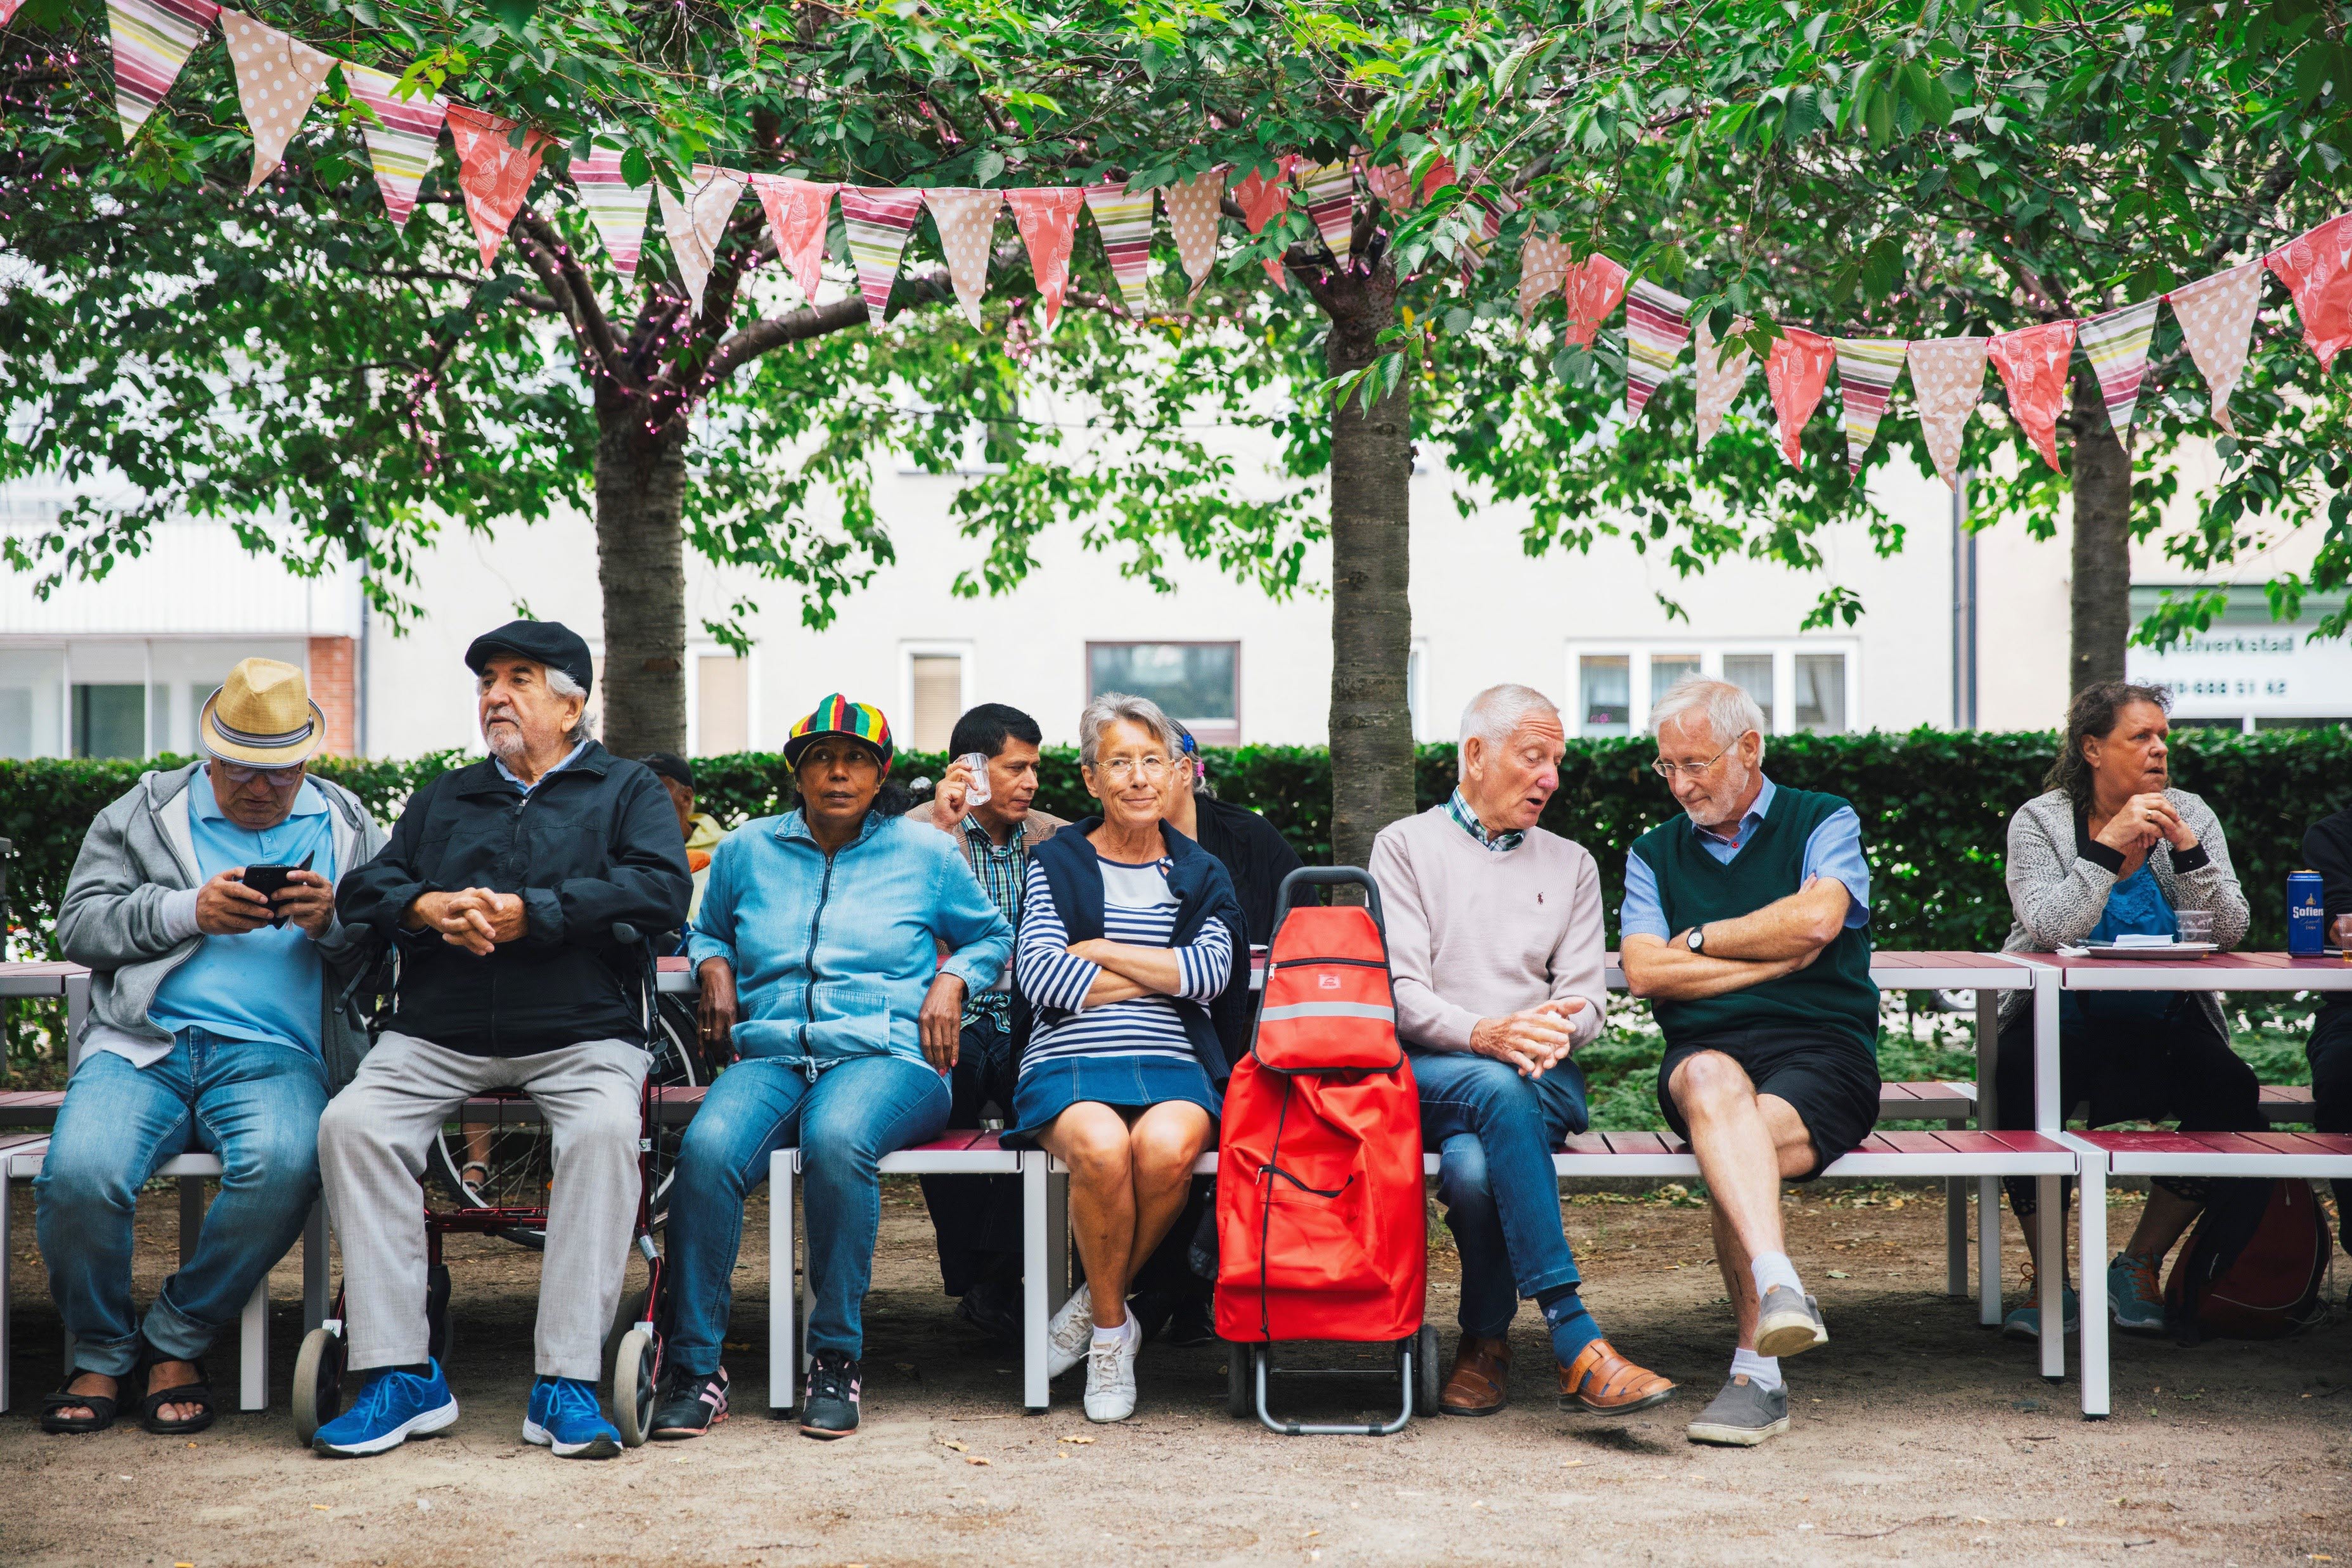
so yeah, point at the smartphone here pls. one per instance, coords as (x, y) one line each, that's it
(268, 880)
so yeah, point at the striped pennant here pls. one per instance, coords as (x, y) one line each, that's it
(695, 222)
(1591, 291)
(2116, 345)
(2317, 268)
(151, 39)
(1123, 219)
(2033, 365)
(878, 219)
(1656, 327)
(1946, 384)
(1330, 193)
(966, 220)
(1194, 207)
(277, 79)
(1047, 217)
(493, 173)
(402, 138)
(1262, 200)
(1797, 370)
(1544, 265)
(1867, 370)
(798, 211)
(616, 207)
(1720, 377)
(2217, 321)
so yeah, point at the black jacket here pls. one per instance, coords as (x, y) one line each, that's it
(595, 845)
(2327, 849)
(1258, 857)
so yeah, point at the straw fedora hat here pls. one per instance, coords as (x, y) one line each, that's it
(263, 717)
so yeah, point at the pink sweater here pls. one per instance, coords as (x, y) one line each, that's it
(1475, 934)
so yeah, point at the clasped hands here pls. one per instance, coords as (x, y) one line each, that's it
(2144, 819)
(1534, 1039)
(475, 919)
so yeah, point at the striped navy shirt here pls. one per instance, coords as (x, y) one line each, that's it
(1137, 909)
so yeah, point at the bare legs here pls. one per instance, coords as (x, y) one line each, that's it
(2162, 1223)
(1129, 1173)
(1747, 1144)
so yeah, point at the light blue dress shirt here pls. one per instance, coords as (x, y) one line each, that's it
(1834, 850)
(569, 758)
(265, 985)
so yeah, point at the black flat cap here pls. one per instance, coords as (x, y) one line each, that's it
(551, 643)
(670, 765)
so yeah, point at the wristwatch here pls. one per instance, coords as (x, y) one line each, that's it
(1698, 938)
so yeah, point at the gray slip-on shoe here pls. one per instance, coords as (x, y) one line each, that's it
(1742, 1415)
(1789, 1324)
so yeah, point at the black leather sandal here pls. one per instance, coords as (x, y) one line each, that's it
(102, 1407)
(198, 1392)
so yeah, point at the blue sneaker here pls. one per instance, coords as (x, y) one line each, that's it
(2134, 1299)
(2025, 1322)
(565, 1416)
(394, 1407)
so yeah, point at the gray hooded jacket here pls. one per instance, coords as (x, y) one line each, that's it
(125, 911)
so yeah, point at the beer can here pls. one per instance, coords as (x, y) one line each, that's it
(2306, 918)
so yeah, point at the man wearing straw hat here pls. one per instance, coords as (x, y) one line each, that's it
(202, 901)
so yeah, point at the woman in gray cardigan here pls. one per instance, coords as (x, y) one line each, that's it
(2111, 851)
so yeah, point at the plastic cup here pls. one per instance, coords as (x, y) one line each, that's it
(978, 765)
(2194, 925)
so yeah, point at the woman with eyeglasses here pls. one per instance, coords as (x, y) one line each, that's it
(1128, 931)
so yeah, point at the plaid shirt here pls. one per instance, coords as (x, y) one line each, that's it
(1002, 871)
(1467, 819)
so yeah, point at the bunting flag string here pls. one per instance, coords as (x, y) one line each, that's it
(1262, 200)
(966, 219)
(2217, 321)
(1123, 219)
(1194, 206)
(153, 40)
(2033, 365)
(402, 139)
(2317, 268)
(1720, 377)
(2116, 345)
(694, 222)
(1047, 217)
(797, 215)
(1796, 372)
(1656, 327)
(1390, 183)
(493, 173)
(1591, 291)
(279, 77)
(1947, 381)
(1330, 193)
(615, 208)
(1544, 267)
(1867, 370)
(879, 220)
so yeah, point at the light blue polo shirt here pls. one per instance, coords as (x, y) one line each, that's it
(1835, 851)
(266, 985)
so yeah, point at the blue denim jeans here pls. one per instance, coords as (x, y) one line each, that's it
(1494, 1133)
(256, 1107)
(855, 1113)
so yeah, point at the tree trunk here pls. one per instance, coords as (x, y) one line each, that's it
(641, 569)
(1371, 616)
(2102, 592)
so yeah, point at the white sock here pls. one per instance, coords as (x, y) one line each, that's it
(1126, 1331)
(1763, 1371)
(1770, 1269)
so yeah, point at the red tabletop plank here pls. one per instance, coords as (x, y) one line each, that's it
(2158, 1143)
(2287, 1094)
(2299, 1143)
(1585, 1143)
(1645, 1143)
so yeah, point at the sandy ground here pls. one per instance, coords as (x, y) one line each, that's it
(1918, 1436)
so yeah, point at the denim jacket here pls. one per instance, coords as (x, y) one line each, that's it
(833, 956)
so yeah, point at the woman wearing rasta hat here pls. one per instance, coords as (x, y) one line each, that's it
(816, 946)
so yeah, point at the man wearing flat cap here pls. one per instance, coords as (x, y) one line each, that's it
(202, 901)
(506, 890)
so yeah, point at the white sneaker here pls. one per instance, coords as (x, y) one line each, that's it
(1070, 1333)
(1111, 1376)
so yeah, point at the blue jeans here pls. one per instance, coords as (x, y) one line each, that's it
(256, 1107)
(855, 1112)
(1493, 1132)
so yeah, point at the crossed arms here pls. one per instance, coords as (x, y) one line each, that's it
(1780, 938)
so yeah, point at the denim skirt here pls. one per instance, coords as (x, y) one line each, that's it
(1117, 1078)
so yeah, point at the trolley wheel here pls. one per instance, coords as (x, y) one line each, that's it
(633, 1387)
(318, 1382)
(1241, 1387)
(1424, 1371)
(626, 1316)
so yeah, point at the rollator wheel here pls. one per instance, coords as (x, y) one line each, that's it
(1241, 1388)
(318, 1384)
(626, 1316)
(1424, 1371)
(633, 1387)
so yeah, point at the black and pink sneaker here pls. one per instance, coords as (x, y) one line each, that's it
(687, 1406)
(830, 1409)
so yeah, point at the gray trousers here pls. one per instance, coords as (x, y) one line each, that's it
(372, 1142)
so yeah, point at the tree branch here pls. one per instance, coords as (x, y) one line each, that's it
(569, 287)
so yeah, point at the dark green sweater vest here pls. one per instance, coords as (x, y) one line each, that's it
(1834, 991)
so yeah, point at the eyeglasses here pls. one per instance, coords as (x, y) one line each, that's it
(1120, 769)
(281, 779)
(1666, 770)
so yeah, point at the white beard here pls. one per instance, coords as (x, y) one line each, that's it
(505, 742)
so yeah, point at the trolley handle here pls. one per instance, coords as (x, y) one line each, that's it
(1330, 876)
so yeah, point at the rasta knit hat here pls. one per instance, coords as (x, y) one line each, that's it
(837, 715)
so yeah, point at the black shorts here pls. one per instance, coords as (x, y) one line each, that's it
(1827, 1077)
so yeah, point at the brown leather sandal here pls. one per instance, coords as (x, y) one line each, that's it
(1479, 1383)
(1599, 1382)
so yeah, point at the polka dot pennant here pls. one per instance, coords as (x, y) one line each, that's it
(1192, 207)
(966, 220)
(695, 223)
(2217, 321)
(1947, 382)
(493, 173)
(1543, 268)
(1720, 376)
(277, 79)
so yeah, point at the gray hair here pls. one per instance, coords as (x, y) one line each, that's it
(1730, 711)
(562, 685)
(1494, 713)
(1117, 707)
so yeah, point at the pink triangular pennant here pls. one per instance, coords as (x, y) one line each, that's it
(8, 11)
(2116, 345)
(1796, 371)
(1721, 374)
(1262, 200)
(1123, 221)
(1047, 217)
(2316, 268)
(1330, 194)
(1194, 206)
(403, 136)
(2033, 365)
(615, 206)
(1947, 381)
(493, 173)
(1392, 183)
(151, 40)
(966, 220)
(2217, 321)
(695, 222)
(1591, 291)
(277, 79)
(1867, 371)
(797, 215)
(1543, 268)
(877, 220)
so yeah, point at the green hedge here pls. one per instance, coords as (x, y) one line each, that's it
(1935, 806)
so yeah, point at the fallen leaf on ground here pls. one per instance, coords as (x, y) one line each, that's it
(1840, 1274)
(955, 1442)
(974, 1460)
(319, 1506)
(1074, 1438)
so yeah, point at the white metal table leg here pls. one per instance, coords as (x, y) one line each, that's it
(1988, 1187)
(2094, 1181)
(1036, 1393)
(1057, 1236)
(2050, 1275)
(6, 1244)
(783, 1286)
(253, 1350)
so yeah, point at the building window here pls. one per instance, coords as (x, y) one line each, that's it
(934, 698)
(1752, 673)
(1197, 684)
(1604, 690)
(109, 720)
(1665, 668)
(722, 704)
(1821, 693)
(1803, 685)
